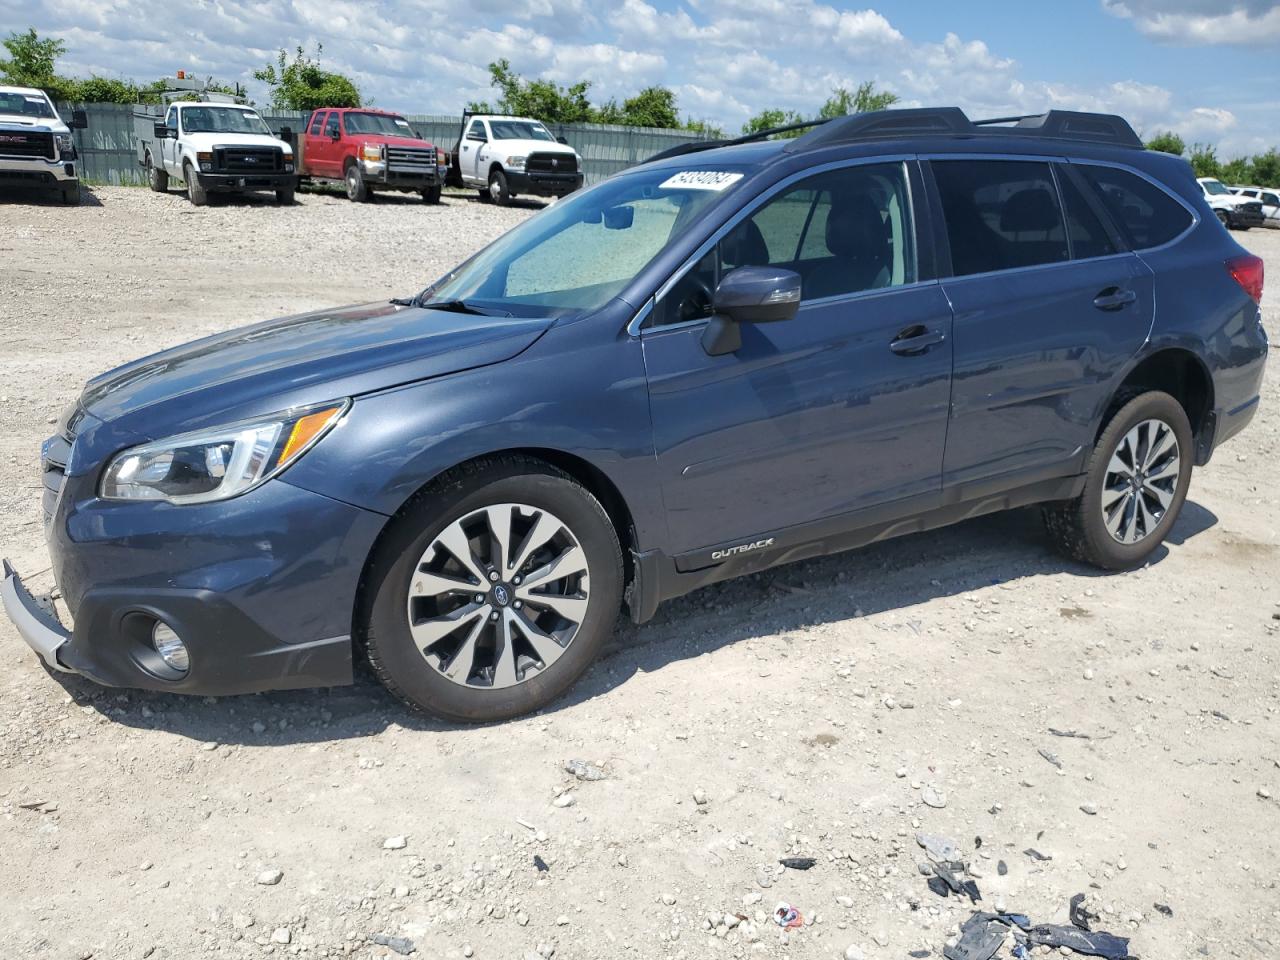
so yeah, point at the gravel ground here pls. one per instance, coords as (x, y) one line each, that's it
(830, 709)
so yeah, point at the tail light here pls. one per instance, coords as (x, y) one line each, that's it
(1247, 271)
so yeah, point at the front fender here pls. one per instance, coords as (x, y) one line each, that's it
(580, 390)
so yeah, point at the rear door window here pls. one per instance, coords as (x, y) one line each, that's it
(1089, 238)
(1144, 213)
(1000, 214)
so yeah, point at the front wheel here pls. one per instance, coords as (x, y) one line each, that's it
(284, 195)
(197, 194)
(499, 190)
(357, 190)
(431, 195)
(71, 194)
(1222, 216)
(493, 591)
(1134, 489)
(157, 179)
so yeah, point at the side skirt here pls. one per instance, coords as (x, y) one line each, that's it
(659, 578)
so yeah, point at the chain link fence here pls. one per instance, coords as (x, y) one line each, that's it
(109, 154)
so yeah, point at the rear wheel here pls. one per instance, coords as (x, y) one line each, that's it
(157, 179)
(493, 592)
(357, 190)
(1135, 486)
(197, 194)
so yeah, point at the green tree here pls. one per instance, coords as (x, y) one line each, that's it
(301, 84)
(651, 107)
(1266, 168)
(105, 90)
(768, 119)
(31, 63)
(1237, 170)
(704, 128)
(1167, 142)
(540, 99)
(1204, 160)
(866, 98)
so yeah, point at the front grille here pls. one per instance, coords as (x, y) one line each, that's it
(551, 163)
(248, 160)
(411, 159)
(27, 144)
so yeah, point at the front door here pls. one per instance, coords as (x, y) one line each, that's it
(169, 146)
(1048, 310)
(470, 151)
(842, 407)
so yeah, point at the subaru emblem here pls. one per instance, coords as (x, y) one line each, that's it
(501, 595)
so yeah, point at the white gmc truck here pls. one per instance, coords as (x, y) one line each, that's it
(214, 147)
(36, 147)
(504, 157)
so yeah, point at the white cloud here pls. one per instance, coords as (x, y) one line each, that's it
(1203, 22)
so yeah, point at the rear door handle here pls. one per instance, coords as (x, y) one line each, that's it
(916, 339)
(1113, 298)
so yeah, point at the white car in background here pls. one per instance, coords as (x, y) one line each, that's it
(1235, 212)
(505, 157)
(1269, 197)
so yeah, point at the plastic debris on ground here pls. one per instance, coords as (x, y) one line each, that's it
(585, 771)
(798, 863)
(540, 864)
(787, 917)
(984, 933)
(401, 945)
(1081, 916)
(1092, 944)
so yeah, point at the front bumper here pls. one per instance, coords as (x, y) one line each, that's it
(544, 184)
(1245, 218)
(229, 182)
(379, 173)
(37, 172)
(262, 589)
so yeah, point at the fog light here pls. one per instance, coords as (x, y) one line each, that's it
(171, 649)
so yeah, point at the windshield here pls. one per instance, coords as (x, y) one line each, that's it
(1214, 186)
(380, 124)
(519, 130)
(222, 120)
(578, 254)
(26, 105)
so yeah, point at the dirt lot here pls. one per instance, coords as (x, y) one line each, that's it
(812, 708)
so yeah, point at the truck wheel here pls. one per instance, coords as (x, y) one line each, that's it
(71, 194)
(284, 195)
(499, 192)
(1136, 482)
(484, 194)
(197, 194)
(431, 195)
(492, 593)
(1222, 215)
(357, 191)
(157, 179)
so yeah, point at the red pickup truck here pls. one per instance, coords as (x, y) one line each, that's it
(369, 150)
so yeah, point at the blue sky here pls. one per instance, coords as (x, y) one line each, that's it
(1205, 68)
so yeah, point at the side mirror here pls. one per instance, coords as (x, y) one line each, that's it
(562, 140)
(79, 120)
(335, 135)
(749, 295)
(286, 133)
(162, 131)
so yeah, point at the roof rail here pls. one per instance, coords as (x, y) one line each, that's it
(697, 146)
(952, 122)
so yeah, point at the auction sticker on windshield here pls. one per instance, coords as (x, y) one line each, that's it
(700, 180)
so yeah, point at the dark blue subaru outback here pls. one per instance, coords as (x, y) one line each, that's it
(719, 361)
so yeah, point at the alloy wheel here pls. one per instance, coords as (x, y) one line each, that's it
(1141, 481)
(498, 596)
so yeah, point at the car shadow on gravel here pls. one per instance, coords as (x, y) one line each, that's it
(45, 197)
(898, 574)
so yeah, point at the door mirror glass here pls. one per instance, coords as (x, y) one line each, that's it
(79, 120)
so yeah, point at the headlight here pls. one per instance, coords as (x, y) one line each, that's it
(65, 143)
(516, 163)
(371, 151)
(219, 463)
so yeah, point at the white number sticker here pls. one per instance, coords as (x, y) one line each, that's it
(700, 180)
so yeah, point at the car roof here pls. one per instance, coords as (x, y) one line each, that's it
(25, 91)
(182, 105)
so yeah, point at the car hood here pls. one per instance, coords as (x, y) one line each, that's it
(43, 124)
(392, 141)
(207, 141)
(292, 361)
(525, 147)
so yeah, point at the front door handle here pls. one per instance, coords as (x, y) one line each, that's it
(916, 339)
(1113, 298)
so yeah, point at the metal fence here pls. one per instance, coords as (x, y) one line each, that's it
(109, 155)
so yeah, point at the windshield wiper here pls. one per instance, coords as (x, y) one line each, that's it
(459, 306)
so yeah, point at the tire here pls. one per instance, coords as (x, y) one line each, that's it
(484, 194)
(357, 189)
(157, 179)
(431, 195)
(284, 195)
(1222, 216)
(1079, 527)
(532, 493)
(197, 194)
(499, 190)
(71, 195)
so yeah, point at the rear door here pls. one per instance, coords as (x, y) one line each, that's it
(841, 408)
(1049, 307)
(312, 150)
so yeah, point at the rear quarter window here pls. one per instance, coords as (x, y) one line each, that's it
(1144, 213)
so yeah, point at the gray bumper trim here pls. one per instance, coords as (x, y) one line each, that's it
(41, 629)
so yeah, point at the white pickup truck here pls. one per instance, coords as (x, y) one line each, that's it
(214, 147)
(36, 147)
(505, 157)
(1235, 212)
